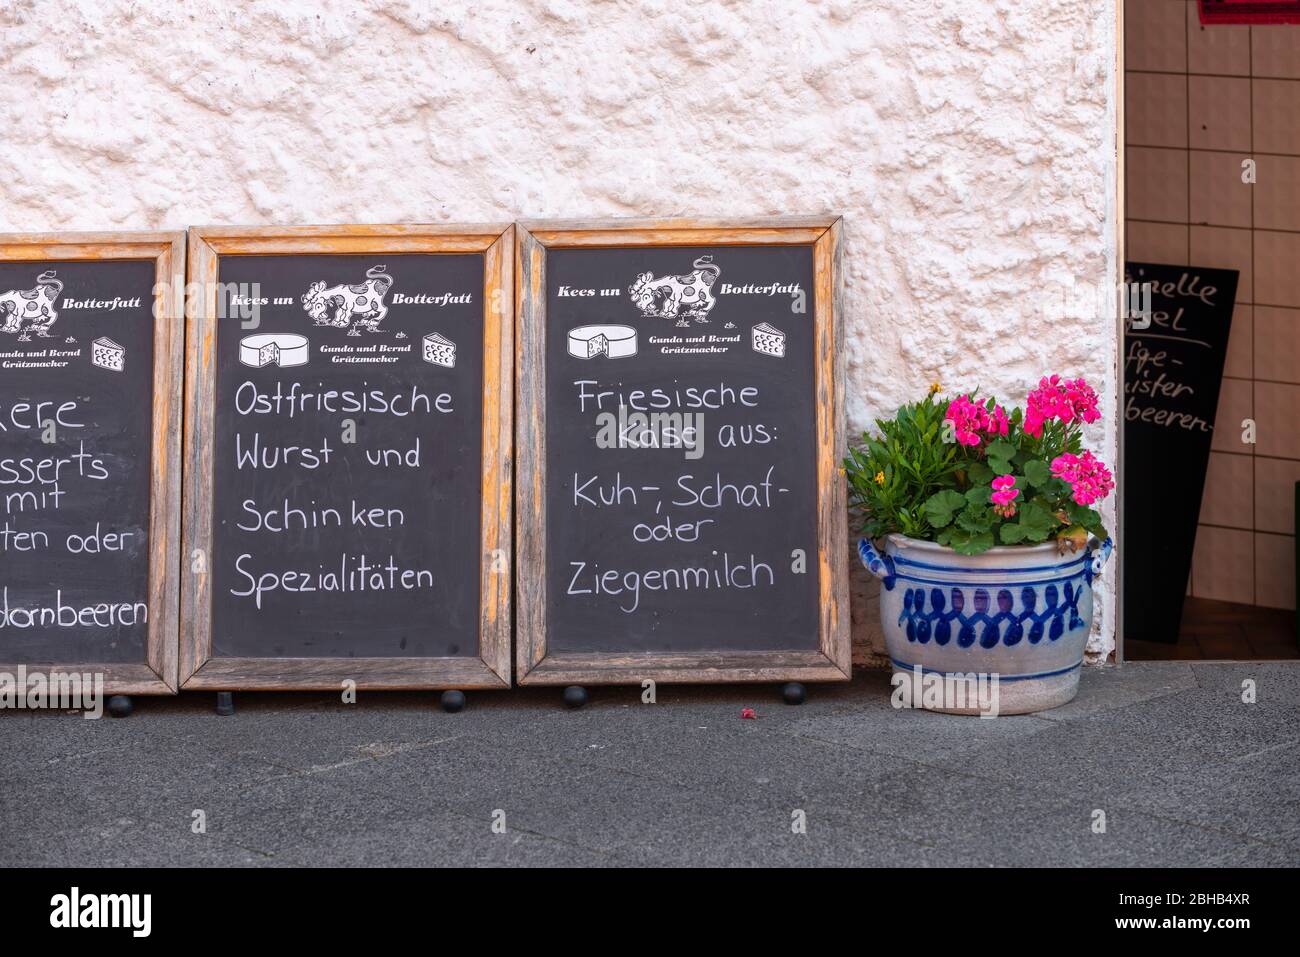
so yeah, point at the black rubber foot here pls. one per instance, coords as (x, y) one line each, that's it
(225, 703)
(453, 701)
(794, 693)
(120, 705)
(575, 696)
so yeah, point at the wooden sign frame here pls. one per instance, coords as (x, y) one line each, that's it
(158, 673)
(199, 669)
(535, 664)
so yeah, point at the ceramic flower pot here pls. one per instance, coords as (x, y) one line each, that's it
(1022, 613)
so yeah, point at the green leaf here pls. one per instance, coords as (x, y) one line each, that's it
(1082, 515)
(940, 506)
(1037, 473)
(975, 518)
(1036, 518)
(973, 545)
(979, 473)
(999, 466)
(1037, 535)
(1012, 533)
(1002, 451)
(1035, 524)
(1057, 489)
(979, 495)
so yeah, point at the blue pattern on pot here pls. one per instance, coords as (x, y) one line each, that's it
(1023, 613)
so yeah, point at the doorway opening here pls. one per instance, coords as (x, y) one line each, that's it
(1212, 186)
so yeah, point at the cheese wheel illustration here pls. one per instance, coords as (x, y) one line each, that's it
(274, 349)
(586, 342)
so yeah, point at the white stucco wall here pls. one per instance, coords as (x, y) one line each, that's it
(969, 145)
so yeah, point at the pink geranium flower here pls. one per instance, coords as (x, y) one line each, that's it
(1088, 476)
(972, 422)
(998, 422)
(1066, 401)
(1004, 495)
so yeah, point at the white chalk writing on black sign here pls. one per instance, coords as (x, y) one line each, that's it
(650, 513)
(75, 460)
(1153, 373)
(322, 409)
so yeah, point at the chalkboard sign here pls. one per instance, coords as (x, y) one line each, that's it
(681, 510)
(1173, 368)
(350, 424)
(90, 359)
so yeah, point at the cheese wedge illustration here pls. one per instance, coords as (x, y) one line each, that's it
(107, 354)
(274, 349)
(439, 350)
(615, 342)
(768, 340)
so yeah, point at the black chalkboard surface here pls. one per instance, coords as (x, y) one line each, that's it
(328, 549)
(683, 499)
(698, 539)
(85, 506)
(347, 468)
(1173, 371)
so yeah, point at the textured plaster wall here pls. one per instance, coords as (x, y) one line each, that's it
(969, 146)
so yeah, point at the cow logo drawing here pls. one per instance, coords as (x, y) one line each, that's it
(350, 307)
(31, 310)
(677, 297)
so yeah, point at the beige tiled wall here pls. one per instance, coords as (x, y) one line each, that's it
(1199, 101)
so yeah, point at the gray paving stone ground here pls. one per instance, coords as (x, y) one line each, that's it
(1184, 771)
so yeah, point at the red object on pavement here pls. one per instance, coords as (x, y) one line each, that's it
(748, 713)
(1249, 11)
